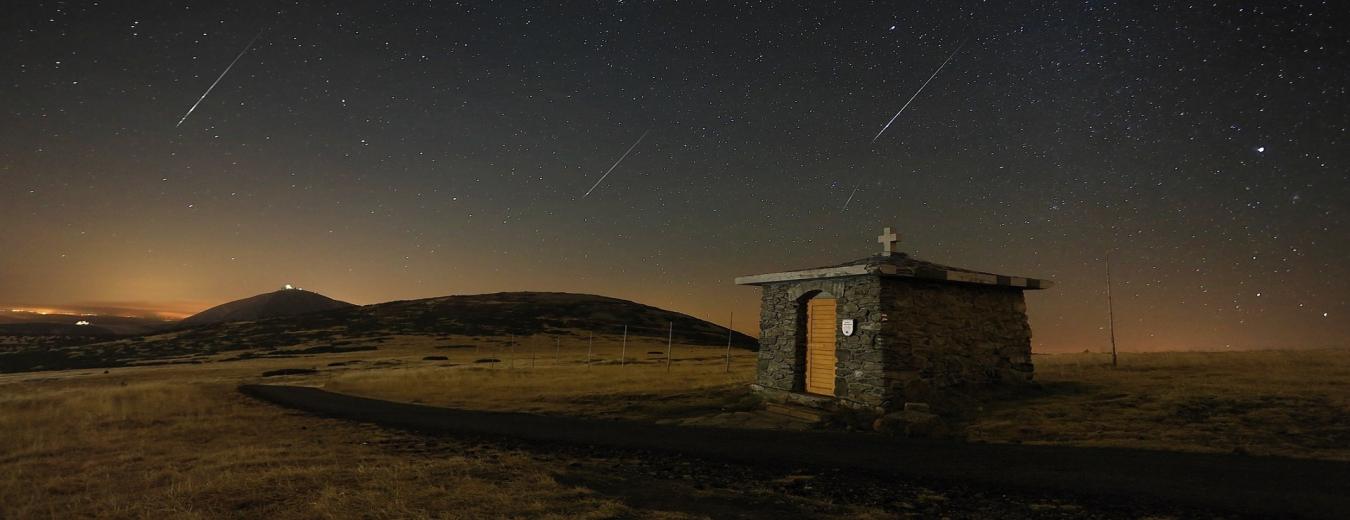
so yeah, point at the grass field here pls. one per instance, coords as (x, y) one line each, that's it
(151, 442)
(179, 441)
(157, 444)
(541, 376)
(1290, 403)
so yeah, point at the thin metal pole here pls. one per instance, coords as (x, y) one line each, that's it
(1110, 309)
(730, 323)
(670, 336)
(590, 341)
(511, 347)
(623, 353)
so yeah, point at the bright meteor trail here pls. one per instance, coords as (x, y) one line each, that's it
(916, 93)
(897, 115)
(616, 164)
(850, 195)
(218, 78)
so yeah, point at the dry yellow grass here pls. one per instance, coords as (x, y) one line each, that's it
(1289, 403)
(153, 448)
(178, 441)
(1292, 403)
(540, 378)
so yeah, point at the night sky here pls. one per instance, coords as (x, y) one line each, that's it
(373, 153)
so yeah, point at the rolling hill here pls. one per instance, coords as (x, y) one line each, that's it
(524, 313)
(284, 302)
(284, 328)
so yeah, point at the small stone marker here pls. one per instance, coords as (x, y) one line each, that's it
(888, 241)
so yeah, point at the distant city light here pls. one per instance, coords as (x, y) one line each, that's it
(43, 312)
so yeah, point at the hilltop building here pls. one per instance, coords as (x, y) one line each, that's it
(888, 329)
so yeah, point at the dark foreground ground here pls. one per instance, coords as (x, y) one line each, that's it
(856, 467)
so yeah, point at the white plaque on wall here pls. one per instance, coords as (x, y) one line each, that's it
(846, 326)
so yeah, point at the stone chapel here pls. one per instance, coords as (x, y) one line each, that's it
(888, 329)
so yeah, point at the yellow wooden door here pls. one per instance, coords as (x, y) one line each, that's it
(820, 359)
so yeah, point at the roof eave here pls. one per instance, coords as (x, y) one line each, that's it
(805, 274)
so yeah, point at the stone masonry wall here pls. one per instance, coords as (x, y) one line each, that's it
(782, 343)
(944, 335)
(913, 339)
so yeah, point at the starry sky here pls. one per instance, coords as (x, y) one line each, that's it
(375, 152)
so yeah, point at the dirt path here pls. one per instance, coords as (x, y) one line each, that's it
(1262, 486)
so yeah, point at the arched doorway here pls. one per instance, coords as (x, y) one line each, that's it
(820, 346)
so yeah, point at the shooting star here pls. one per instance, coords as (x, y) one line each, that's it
(616, 164)
(850, 196)
(218, 78)
(916, 93)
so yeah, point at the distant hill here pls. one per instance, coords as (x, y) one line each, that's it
(496, 314)
(285, 302)
(293, 323)
(525, 313)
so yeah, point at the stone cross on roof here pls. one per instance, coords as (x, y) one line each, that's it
(888, 241)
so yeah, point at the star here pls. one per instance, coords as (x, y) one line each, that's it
(1009, 156)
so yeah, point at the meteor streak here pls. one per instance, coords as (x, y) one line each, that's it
(916, 93)
(616, 164)
(850, 196)
(218, 78)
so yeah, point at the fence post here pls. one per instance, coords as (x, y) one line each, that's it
(623, 353)
(511, 351)
(730, 322)
(670, 336)
(590, 341)
(557, 349)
